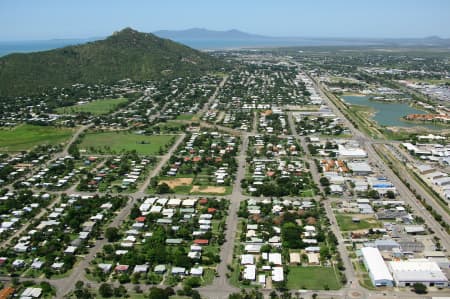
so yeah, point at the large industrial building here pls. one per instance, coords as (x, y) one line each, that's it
(375, 265)
(407, 273)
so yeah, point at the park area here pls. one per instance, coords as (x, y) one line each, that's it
(97, 107)
(119, 142)
(25, 137)
(347, 223)
(312, 278)
(186, 186)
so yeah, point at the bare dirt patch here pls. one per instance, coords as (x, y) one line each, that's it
(208, 189)
(177, 182)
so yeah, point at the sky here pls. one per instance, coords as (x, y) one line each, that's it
(54, 19)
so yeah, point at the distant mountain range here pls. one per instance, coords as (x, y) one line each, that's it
(125, 54)
(201, 39)
(143, 56)
(200, 34)
(205, 34)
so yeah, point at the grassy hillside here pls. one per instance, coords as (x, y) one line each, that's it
(125, 54)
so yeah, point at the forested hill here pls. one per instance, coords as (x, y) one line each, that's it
(125, 54)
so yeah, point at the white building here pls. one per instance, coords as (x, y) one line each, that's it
(351, 152)
(378, 271)
(277, 274)
(249, 272)
(407, 273)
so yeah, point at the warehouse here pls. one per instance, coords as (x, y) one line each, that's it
(360, 168)
(375, 265)
(407, 273)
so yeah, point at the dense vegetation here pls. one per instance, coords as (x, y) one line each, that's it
(125, 54)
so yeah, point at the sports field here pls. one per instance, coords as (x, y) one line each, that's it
(95, 107)
(117, 142)
(25, 137)
(312, 278)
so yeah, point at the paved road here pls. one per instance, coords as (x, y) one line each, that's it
(405, 194)
(406, 173)
(350, 274)
(255, 123)
(408, 197)
(221, 287)
(163, 160)
(212, 97)
(65, 285)
(226, 252)
(55, 201)
(74, 138)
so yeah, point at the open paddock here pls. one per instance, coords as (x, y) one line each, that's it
(117, 142)
(25, 137)
(97, 107)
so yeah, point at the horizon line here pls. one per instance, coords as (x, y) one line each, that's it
(224, 31)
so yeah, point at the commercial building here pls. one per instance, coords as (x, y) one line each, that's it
(407, 273)
(375, 265)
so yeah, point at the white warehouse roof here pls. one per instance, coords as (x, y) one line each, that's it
(375, 265)
(359, 167)
(417, 270)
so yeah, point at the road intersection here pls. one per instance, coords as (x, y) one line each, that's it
(221, 287)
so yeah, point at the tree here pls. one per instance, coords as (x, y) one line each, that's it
(390, 194)
(15, 281)
(163, 189)
(83, 293)
(120, 291)
(46, 287)
(325, 253)
(135, 212)
(420, 288)
(195, 295)
(106, 290)
(290, 233)
(79, 284)
(373, 194)
(193, 282)
(124, 278)
(157, 293)
(112, 234)
(324, 181)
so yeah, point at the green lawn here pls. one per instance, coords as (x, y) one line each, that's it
(170, 126)
(116, 142)
(208, 276)
(312, 278)
(307, 193)
(187, 116)
(346, 224)
(25, 137)
(95, 107)
(363, 275)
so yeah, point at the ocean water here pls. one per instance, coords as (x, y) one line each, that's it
(200, 44)
(36, 46)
